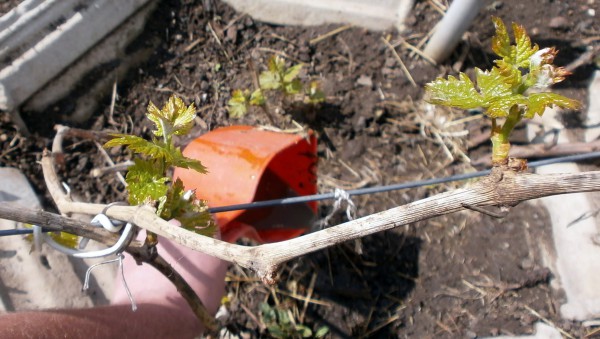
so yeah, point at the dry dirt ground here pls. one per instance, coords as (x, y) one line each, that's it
(463, 275)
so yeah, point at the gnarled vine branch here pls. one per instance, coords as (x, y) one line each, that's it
(503, 188)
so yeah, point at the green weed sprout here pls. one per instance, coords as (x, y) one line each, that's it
(278, 78)
(503, 91)
(280, 324)
(147, 180)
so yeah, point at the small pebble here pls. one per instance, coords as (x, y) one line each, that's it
(496, 5)
(559, 22)
(231, 34)
(364, 80)
(354, 149)
(527, 264)
(359, 123)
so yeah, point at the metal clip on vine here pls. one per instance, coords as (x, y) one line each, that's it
(100, 220)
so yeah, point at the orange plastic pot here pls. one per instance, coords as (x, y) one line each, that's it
(245, 165)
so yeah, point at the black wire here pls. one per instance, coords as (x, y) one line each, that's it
(22, 231)
(361, 191)
(379, 189)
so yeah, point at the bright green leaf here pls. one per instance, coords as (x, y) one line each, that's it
(257, 98)
(276, 331)
(501, 40)
(303, 331)
(237, 111)
(238, 104)
(185, 120)
(500, 107)
(269, 80)
(321, 332)
(239, 96)
(124, 140)
(179, 160)
(173, 118)
(511, 75)
(146, 182)
(268, 313)
(523, 49)
(276, 64)
(538, 102)
(154, 150)
(282, 317)
(314, 93)
(460, 93)
(185, 207)
(491, 84)
(497, 95)
(292, 73)
(293, 87)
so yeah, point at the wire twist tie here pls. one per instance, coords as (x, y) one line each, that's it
(340, 196)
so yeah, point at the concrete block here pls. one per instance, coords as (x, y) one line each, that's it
(40, 39)
(373, 14)
(110, 50)
(592, 120)
(575, 235)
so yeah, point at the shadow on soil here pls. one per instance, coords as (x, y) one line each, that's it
(361, 287)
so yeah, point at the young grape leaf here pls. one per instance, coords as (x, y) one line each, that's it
(146, 182)
(501, 41)
(171, 200)
(156, 149)
(491, 84)
(173, 118)
(510, 75)
(179, 160)
(522, 49)
(502, 91)
(516, 55)
(500, 107)
(460, 93)
(537, 103)
(196, 218)
(497, 94)
(185, 207)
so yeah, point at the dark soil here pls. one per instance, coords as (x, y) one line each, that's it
(463, 275)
